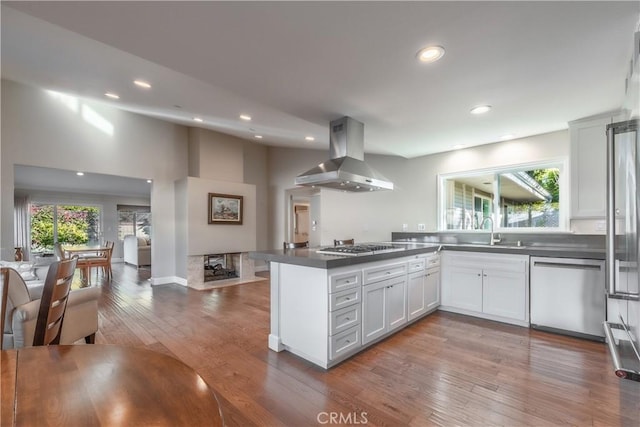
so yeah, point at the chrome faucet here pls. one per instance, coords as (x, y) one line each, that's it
(492, 240)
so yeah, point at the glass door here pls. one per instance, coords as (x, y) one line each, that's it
(622, 209)
(65, 224)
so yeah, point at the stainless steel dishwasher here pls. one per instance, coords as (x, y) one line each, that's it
(568, 296)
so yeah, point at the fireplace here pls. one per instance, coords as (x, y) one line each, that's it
(221, 266)
(203, 271)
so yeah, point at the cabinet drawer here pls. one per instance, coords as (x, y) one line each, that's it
(344, 342)
(344, 298)
(432, 262)
(339, 282)
(498, 262)
(344, 318)
(416, 265)
(375, 274)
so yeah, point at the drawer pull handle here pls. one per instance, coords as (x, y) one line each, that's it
(388, 272)
(346, 281)
(346, 318)
(347, 298)
(347, 341)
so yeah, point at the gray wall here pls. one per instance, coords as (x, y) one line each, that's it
(373, 216)
(141, 147)
(39, 129)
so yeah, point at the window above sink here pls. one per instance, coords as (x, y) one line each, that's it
(517, 197)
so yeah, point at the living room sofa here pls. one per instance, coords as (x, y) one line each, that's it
(23, 304)
(137, 250)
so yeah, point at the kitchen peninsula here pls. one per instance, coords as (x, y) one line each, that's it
(325, 308)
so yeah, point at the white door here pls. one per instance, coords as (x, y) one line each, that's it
(416, 295)
(374, 321)
(396, 303)
(464, 289)
(504, 294)
(432, 289)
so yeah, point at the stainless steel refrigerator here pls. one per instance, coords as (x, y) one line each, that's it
(622, 328)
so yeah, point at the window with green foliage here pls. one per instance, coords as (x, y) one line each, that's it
(514, 198)
(65, 224)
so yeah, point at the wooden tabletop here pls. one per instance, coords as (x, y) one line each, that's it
(84, 249)
(102, 385)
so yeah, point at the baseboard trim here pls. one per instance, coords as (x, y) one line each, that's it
(166, 280)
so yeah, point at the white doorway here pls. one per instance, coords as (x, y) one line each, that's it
(301, 222)
(301, 225)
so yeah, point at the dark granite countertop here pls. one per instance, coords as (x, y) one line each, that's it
(309, 257)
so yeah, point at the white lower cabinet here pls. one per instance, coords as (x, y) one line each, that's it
(345, 342)
(432, 288)
(345, 305)
(504, 294)
(396, 304)
(494, 286)
(423, 287)
(416, 295)
(384, 307)
(326, 316)
(463, 288)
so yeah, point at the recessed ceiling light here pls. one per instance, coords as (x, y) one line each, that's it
(480, 109)
(198, 119)
(430, 54)
(112, 95)
(149, 181)
(309, 138)
(258, 136)
(142, 84)
(459, 146)
(507, 136)
(245, 117)
(80, 173)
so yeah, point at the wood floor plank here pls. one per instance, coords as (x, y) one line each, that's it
(444, 370)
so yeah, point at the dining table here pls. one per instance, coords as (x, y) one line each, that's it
(102, 385)
(85, 253)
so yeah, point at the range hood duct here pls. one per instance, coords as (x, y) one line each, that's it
(346, 169)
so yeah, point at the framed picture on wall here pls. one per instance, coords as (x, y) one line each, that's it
(225, 209)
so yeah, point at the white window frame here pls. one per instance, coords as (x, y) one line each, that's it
(561, 163)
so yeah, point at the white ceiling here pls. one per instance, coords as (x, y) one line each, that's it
(294, 66)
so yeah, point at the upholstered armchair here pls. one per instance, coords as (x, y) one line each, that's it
(80, 320)
(137, 250)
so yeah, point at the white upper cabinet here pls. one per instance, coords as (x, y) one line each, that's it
(588, 164)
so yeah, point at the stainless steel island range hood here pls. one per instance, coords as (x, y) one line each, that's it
(346, 169)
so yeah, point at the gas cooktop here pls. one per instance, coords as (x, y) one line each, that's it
(358, 250)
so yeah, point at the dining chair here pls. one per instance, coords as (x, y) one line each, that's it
(53, 303)
(294, 245)
(84, 264)
(343, 242)
(103, 260)
(59, 252)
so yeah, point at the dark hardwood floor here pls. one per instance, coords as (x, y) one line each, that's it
(446, 369)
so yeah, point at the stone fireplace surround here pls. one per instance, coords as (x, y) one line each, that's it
(195, 272)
